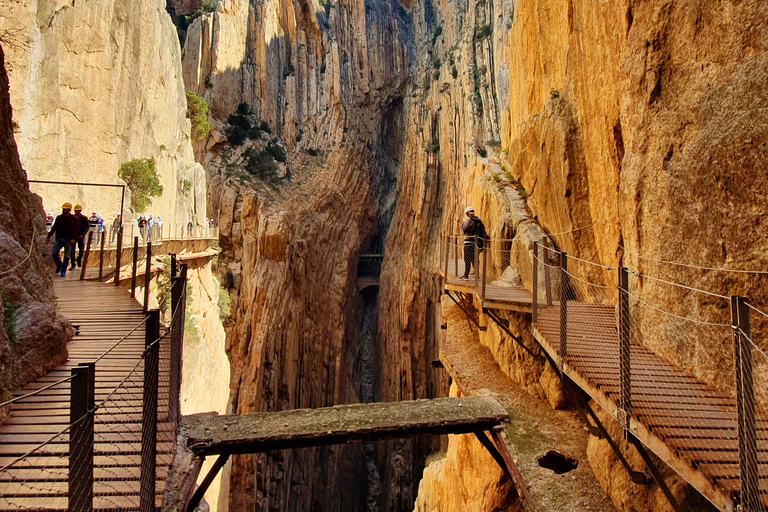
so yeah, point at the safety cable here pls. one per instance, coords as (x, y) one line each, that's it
(33, 393)
(31, 245)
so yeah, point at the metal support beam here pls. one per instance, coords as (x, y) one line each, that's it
(135, 265)
(625, 374)
(563, 308)
(81, 438)
(149, 413)
(535, 284)
(503, 327)
(85, 256)
(207, 481)
(655, 472)
(119, 252)
(101, 256)
(471, 319)
(500, 438)
(147, 276)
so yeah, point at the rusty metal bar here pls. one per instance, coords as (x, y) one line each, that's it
(85, 256)
(547, 281)
(178, 313)
(149, 413)
(499, 436)
(101, 257)
(135, 264)
(535, 287)
(625, 375)
(563, 308)
(649, 463)
(147, 276)
(81, 405)
(119, 253)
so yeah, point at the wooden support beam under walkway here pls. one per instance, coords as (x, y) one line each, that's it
(211, 434)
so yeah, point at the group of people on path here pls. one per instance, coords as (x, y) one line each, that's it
(69, 231)
(150, 228)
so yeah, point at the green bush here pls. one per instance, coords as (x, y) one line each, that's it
(554, 94)
(236, 135)
(276, 151)
(433, 146)
(243, 108)
(260, 163)
(207, 83)
(197, 110)
(187, 185)
(436, 34)
(238, 119)
(521, 192)
(496, 178)
(141, 177)
(437, 63)
(493, 142)
(482, 32)
(264, 126)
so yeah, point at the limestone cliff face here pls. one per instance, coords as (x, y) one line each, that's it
(32, 335)
(95, 84)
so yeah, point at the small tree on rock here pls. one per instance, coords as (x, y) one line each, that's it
(197, 110)
(141, 177)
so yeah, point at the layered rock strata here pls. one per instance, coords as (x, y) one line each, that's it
(95, 85)
(33, 335)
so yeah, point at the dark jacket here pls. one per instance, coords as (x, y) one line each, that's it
(84, 225)
(473, 226)
(65, 227)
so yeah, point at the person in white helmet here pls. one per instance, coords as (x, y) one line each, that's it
(471, 227)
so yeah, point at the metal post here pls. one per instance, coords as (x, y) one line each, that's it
(745, 399)
(135, 264)
(101, 257)
(456, 256)
(174, 269)
(148, 276)
(547, 281)
(149, 413)
(85, 256)
(476, 264)
(625, 376)
(535, 286)
(485, 268)
(447, 254)
(178, 311)
(119, 254)
(563, 308)
(81, 403)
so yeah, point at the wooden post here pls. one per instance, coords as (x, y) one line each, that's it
(85, 256)
(135, 264)
(535, 286)
(81, 404)
(118, 255)
(148, 276)
(101, 257)
(149, 413)
(563, 308)
(625, 375)
(745, 401)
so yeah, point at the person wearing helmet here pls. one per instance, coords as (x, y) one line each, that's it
(65, 229)
(472, 227)
(116, 224)
(82, 229)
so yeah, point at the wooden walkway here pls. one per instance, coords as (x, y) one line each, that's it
(103, 315)
(497, 296)
(689, 424)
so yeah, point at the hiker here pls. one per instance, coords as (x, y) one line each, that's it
(115, 228)
(190, 226)
(159, 227)
(150, 227)
(100, 227)
(143, 227)
(472, 227)
(65, 229)
(93, 221)
(49, 220)
(83, 225)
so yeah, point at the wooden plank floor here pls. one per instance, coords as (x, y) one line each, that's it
(497, 296)
(103, 315)
(688, 423)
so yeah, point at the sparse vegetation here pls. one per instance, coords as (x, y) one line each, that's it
(288, 70)
(521, 191)
(436, 74)
(197, 110)
(162, 147)
(454, 72)
(299, 135)
(478, 103)
(437, 63)
(207, 83)
(433, 146)
(260, 163)
(186, 185)
(496, 178)
(445, 87)
(438, 30)
(9, 320)
(554, 94)
(141, 177)
(483, 32)
(496, 143)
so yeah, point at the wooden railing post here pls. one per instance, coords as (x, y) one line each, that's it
(101, 257)
(178, 313)
(81, 404)
(148, 276)
(625, 375)
(85, 256)
(118, 255)
(563, 308)
(135, 264)
(745, 401)
(149, 413)
(535, 286)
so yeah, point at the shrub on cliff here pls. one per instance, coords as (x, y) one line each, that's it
(482, 32)
(197, 110)
(141, 177)
(260, 163)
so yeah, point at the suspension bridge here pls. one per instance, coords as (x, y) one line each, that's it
(706, 421)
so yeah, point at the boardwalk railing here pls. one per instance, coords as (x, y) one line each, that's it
(114, 446)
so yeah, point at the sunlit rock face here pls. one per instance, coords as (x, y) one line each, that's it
(95, 84)
(33, 335)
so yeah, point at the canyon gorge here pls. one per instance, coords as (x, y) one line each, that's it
(632, 132)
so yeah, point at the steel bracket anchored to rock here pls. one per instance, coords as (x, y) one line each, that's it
(210, 434)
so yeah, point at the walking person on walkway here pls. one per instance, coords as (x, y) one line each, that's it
(190, 226)
(115, 228)
(100, 227)
(93, 220)
(159, 227)
(65, 229)
(472, 227)
(150, 227)
(83, 225)
(143, 227)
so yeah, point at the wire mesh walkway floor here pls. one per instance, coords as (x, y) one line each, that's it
(102, 315)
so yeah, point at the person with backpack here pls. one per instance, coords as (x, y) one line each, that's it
(65, 229)
(472, 227)
(83, 226)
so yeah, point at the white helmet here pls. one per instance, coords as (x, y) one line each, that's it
(469, 209)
